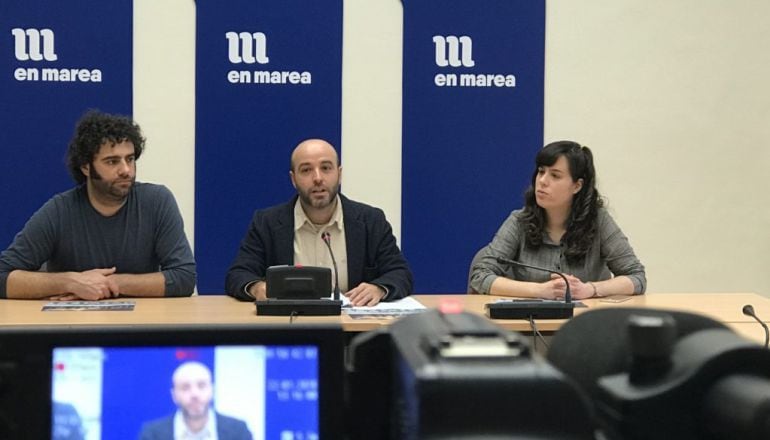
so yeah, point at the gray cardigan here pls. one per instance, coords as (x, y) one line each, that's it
(609, 255)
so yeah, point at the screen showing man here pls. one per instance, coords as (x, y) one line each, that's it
(192, 393)
(220, 392)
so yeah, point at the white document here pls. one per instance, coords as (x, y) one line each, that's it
(405, 306)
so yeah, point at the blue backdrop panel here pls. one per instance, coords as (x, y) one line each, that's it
(472, 123)
(291, 400)
(57, 59)
(268, 75)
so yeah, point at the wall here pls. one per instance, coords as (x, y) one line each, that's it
(671, 96)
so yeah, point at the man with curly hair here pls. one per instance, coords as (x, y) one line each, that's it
(108, 236)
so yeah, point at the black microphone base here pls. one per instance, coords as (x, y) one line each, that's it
(530, 309)
(306, 307)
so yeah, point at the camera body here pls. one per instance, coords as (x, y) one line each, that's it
(435, 375)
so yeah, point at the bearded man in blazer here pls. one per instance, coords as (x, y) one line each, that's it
(371, 266)
(192, 391)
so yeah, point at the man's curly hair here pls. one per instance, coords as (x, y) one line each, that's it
(93, 130)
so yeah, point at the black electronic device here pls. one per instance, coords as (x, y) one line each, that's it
(54, 380)
(532, 308)
(298, 290)
(664, 374)
(442, 376)
(298, 282)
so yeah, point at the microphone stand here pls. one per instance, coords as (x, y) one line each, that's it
(309, 307)
(533, 308)
(326, 237)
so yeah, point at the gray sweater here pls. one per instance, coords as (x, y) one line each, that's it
(67, 234)
(610, 254)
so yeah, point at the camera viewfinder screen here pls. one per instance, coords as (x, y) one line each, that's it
(239, 392)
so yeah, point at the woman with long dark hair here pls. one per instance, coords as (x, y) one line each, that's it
(563, 227)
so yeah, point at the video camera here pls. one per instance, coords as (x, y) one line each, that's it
(615, 373)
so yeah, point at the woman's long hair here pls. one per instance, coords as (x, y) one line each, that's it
(581, 224)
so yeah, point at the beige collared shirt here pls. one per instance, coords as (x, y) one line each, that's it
(310, 249)
(182, 432)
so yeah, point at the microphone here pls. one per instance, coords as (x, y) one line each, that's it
(327, 238)
(302, 306)
(297, 290)
(533, 308)
(748, 310)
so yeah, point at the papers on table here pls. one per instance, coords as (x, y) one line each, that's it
(401, 307)
(89, 305)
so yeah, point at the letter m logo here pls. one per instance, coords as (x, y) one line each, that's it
(34, 44)
(245, 47)
(454, 51)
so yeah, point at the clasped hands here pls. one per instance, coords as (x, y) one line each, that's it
(90, 285)
(555, 287)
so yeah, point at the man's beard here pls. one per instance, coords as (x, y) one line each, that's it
(309, 200)
(110, 190)
(197, 412)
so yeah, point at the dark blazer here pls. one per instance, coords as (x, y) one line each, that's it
(228, 428)
(373, 255)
